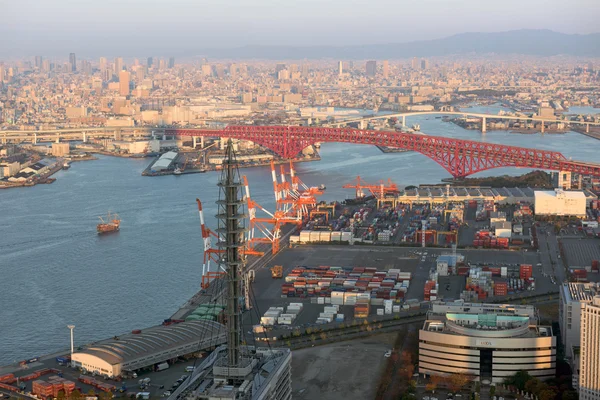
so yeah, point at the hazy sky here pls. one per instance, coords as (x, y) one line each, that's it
(138, 27)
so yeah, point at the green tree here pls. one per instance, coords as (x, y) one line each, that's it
(61, 395)
(547, 394)
(518, 380)
(535, 386)
(76, 395)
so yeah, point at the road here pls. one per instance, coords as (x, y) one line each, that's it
(551, 261)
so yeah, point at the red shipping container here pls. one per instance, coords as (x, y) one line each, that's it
(526, 271)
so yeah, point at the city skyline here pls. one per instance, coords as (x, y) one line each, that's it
(132, 26)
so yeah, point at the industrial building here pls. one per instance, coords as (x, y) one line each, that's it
(560, 202)
(589, 364)
(60, 149)
(487, 341)
(440, 195)
(154, 345)
(165, 161)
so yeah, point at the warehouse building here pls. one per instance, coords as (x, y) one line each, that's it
(165, 161)
(443, 194)
(487, 341)
(560, 202)
(141, 349)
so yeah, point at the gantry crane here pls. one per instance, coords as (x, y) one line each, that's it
(210, 254)
(379, 191)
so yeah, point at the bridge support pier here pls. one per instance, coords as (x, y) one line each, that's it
(194, 142)
(404, 120)
(483, 125)
(542, 126)
(563, 180)
(580, 182)
(362, 125)
(57, 137)
(587, 128)
(84, 137)
(35, 138)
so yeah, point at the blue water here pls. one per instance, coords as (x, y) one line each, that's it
(55, 269)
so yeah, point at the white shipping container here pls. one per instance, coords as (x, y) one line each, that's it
(321, 300)
(337, 301)
(327, 300)
(380, 311)
(267, 321)
(395, 309)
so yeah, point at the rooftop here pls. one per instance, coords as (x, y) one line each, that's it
(125, 348)
(580, 292)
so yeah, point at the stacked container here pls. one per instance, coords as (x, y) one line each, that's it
(525, 271)
(42, 389)
(361, 309)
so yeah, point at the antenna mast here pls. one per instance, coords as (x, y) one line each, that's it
(231, 239)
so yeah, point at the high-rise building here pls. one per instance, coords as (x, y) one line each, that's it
(38, 61)
(305, 70)
(574, 299)
(124, 83)
(150, 61)
(424, 64)
(386, 69)
(340, 68)
(171, 62)
(162, 64)
(46, 65)
(118, 65)
(371, 68)
(103, 63)
(207, 70)
(589, 364)
(414, 63)
(73, 62)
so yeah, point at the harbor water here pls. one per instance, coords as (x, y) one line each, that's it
(55, 270)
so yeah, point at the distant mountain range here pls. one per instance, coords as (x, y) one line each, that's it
(526, 41)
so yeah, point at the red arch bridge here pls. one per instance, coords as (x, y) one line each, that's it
(459, 157)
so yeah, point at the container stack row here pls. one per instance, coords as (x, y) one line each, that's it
(342, 284)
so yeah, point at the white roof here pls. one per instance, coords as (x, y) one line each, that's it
(556, 192)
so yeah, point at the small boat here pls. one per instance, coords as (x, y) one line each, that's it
(66, 165)
(322, 187)
(177, 171)
(416, 127)
(111, 224)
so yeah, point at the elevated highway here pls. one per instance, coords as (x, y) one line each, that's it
(483, 117)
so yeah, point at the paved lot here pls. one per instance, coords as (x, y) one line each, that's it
(347, 370)
(579, 253)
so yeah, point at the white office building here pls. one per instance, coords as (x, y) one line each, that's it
(487, 341)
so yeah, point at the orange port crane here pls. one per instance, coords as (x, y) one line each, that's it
(294, 199)
(379, 190)
(210, 254)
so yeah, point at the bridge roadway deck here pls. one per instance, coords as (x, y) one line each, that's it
(459, 157)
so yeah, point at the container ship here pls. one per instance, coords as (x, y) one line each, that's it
(111, 224)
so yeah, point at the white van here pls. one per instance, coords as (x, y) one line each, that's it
(189, 368)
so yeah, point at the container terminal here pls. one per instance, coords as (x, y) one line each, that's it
(379, 258)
